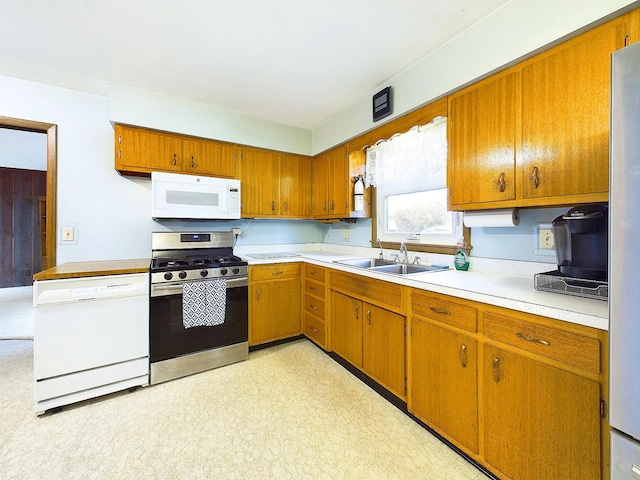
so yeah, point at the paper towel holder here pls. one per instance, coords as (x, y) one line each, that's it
(504, 217)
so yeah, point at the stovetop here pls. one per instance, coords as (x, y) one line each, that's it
(198, 261)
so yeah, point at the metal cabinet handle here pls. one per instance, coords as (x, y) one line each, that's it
(369, 317)
(313, 306)
(193, 163)
(331, 207)
(324, 205)
(258, 292)
(273, 205)
(522, 336)
(277, 273)
(315, 274)
(439, 311)
(357, 312)
(313, 289)
(496, 369)
(535, 177)
(502, 184)
(314, 329)
(286, 206)
(463, 355)
(175, 159)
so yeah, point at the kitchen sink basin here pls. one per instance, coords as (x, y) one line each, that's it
(389, 266)
(405, 269)
(367, 262)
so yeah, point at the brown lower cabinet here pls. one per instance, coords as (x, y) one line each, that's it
(370, 336)
(275, 302)
(523, 395)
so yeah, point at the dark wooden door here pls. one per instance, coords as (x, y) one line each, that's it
(20, 255)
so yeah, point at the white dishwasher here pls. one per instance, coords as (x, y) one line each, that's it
(91, 337)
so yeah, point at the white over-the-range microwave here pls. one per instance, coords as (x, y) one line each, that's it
(193, 197)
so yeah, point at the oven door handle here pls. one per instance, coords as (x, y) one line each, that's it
(175, 288)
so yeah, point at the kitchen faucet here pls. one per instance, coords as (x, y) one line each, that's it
(403, 250)
(380, 245)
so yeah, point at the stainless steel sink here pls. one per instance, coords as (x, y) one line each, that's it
(366, 262)
(405, 269)
(389, 266)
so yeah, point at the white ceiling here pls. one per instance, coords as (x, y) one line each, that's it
(297, 62)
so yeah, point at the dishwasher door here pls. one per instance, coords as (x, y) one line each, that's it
(91, 337)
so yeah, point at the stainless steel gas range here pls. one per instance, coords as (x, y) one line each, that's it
(198, 313)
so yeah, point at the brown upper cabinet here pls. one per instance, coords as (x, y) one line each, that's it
(275, 184)
(140, 151)
(482, 143)
(537, 134)
(331, 184)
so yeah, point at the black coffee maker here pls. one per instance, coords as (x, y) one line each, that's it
(581, 238)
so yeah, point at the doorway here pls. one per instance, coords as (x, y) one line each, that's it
(47, 205)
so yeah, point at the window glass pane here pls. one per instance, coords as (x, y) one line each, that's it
(419, 212)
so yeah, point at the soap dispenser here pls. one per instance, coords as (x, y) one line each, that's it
(461, 260)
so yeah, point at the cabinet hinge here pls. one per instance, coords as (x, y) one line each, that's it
(603, 408)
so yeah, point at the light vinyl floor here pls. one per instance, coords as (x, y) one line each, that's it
(289, 412)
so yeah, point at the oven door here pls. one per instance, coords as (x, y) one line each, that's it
(168, 338)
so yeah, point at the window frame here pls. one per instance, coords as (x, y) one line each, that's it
(420, 116)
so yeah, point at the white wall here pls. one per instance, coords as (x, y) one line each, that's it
(511, 32)
(148, 109)
(25, 150)
(111, 212)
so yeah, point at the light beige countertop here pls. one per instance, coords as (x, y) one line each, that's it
(512, 289)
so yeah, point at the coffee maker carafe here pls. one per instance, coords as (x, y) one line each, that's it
(581, 239)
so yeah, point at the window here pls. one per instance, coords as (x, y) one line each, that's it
(409, 172)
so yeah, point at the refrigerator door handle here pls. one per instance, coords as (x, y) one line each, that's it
(635, 471)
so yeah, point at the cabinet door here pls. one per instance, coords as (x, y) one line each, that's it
(320, 188)
(144, 151)
(338, 180)
(347, 328)
(259, 182)
(208, 157)
(565, 116)
(541, 422)
(276, 310)
(295, 186)
(384, 347)
(482, 142)
(444, 384)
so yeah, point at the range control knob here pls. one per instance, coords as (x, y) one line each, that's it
(182, 275)
(168, 276)
(204, 273)
(223, 271)
(235, 270)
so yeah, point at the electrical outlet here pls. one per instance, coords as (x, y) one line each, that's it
(345, 233)
(67, 234)
(237, 232)
(545, 239)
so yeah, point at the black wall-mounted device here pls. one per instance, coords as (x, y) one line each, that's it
(382, 104)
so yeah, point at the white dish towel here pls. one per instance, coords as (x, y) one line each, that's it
(204, 303)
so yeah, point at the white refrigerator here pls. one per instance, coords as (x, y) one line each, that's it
(624, 265)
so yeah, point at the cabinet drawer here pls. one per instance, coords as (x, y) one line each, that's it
(314, 288)
(275, 271)
(314, 272)
(445, 311)
(378, 292)
(569, 348)
(314, 329)
(314, 306)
